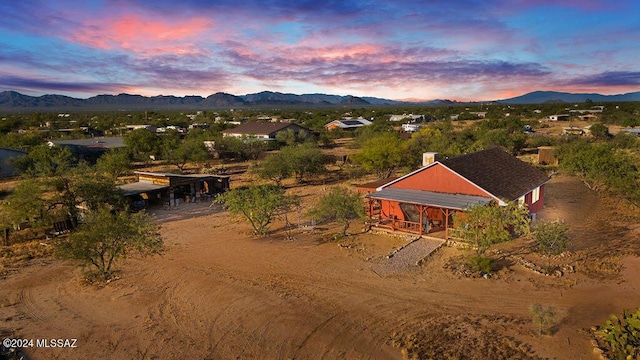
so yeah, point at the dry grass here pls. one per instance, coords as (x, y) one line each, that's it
(14, 256)
(463, 337)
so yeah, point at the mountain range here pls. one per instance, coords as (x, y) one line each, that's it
(541, 97)
(11, 101)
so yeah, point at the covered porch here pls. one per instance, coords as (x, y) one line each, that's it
(417, 211)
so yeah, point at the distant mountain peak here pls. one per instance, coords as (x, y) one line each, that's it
(542, 97)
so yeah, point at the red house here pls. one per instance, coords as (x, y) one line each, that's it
(426, 200)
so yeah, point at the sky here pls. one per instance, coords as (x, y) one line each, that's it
(465, 50)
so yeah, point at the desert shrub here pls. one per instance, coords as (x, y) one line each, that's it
(620, 337)
(544, 317)
(481, 264)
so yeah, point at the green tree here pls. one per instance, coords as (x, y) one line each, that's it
(106, 238)
(485, 225)
(339, 204)
(600, 131)
(602, 167)
(381, 154)
(304, 160)
(26, 203)
(142, 143)
(43, 160)
(115, 163)
(290, 137)
(65, 194)
(188, 150)
(552, 237)
(275, 167)
(241, 148)
(259, 204)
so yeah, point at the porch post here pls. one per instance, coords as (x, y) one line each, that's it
(421, 209)
(446, 224)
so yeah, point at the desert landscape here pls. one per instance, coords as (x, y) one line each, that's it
(219, 293)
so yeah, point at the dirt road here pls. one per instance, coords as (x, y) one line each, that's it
(218, 293)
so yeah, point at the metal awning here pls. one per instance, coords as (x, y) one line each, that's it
(140, 187)
(430, 198)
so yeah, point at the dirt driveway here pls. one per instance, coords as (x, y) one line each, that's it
(218, 293)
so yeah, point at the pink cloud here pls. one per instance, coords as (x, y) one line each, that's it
(141, 35)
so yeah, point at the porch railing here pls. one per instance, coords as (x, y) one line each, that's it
(402, 225)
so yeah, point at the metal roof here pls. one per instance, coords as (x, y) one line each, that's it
(263, 128)
(95, 142)
(430, 198)
(140, 187)
(200, 176)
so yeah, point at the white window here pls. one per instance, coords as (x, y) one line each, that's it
(521, 200)
(535, 195)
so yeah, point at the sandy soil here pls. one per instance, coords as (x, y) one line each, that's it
(218, 293)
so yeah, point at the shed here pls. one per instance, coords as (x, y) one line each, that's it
(171, 189)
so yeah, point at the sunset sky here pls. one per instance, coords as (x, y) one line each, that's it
(402, 49)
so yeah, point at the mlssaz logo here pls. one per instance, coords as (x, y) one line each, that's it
(56, 343)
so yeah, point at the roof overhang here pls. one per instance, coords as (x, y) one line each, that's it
(430, 198)
(140, 187)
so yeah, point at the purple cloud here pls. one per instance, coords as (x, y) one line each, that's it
(34, 84)
(610, 78)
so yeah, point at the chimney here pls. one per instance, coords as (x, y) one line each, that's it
(429, 158)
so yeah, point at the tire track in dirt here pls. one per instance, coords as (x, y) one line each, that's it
(29, 307)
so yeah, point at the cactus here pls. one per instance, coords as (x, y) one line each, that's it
(621, 336)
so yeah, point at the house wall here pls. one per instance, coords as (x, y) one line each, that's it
(332, 125)
(438, 178)
(6, 168)
(158, 180)
(390, 208)
(247, 135)
(538, 205)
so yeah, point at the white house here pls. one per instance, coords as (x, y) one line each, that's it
(348, 124)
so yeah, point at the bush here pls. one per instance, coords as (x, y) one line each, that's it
(544, 317)
(481, 264)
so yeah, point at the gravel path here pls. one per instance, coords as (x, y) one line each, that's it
(184, 211)
(407, 258)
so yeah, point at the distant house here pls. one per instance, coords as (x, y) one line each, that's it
(588, 117)
(426, 200)
(631, 131)
(136, 127)
(90, 149)
(407, 117)
(95, 142)
(594, 110)
(480, 114)
(348, 124)
(6, 156)
(410, 128)
(573, 130)
(264, 131)
(558, 117)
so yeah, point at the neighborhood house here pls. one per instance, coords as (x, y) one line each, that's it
(264, 131)
(426, 200)
(347, 124)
